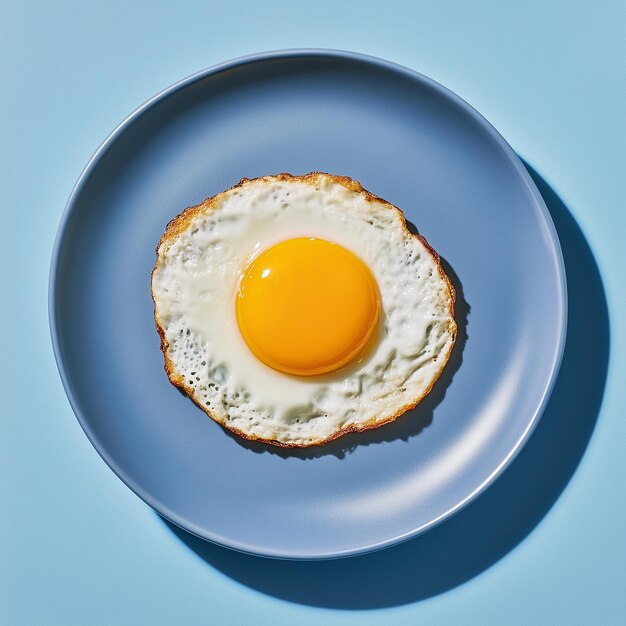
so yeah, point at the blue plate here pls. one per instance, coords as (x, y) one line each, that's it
(405, 138)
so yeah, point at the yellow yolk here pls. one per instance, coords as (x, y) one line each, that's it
(307, 306)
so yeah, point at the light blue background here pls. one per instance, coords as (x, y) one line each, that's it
(76, 546)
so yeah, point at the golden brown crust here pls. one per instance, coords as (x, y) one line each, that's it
(181, 222)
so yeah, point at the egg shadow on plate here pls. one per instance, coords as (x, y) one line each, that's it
(490, 527)
(410, 423)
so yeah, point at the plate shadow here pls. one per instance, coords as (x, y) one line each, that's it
(495, 523)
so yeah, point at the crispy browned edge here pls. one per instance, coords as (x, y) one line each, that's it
(180, 223)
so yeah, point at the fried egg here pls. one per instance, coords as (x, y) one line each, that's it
(295, 309)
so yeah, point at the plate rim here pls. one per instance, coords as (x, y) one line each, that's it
(270, 56)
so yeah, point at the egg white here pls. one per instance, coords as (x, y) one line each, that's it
(194, 283)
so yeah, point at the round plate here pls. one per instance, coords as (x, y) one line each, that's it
(406, 139)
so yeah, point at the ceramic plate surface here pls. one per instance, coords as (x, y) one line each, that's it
(406, 139)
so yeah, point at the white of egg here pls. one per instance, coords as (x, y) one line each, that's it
(200, 260)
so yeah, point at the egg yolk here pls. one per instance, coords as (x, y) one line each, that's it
(307, 306)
